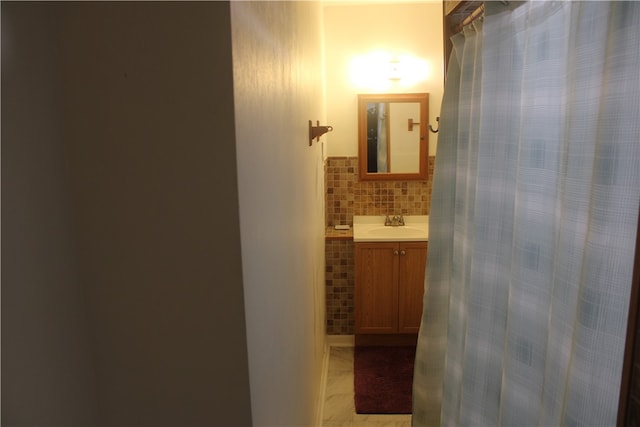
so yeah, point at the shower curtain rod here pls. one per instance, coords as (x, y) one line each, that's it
(469, 19)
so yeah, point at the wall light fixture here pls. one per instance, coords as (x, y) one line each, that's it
(394, 72)
(380, 71)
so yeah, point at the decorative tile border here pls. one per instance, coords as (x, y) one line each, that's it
(347, 196)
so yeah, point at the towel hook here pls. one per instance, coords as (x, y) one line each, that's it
(317, 131)
(431, 127)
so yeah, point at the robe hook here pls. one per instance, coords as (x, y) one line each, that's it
(431, 127)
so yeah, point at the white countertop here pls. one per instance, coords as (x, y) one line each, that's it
(371, 228)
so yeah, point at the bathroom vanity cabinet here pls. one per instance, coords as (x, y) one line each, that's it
(389, 285)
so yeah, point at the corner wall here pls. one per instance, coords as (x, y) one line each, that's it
(278, 82)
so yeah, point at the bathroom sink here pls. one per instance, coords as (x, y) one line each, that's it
(403, 231)
(368, 228)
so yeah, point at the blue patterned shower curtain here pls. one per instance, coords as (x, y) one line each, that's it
(533, 219)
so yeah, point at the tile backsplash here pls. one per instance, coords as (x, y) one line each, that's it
(339, 281)
(347, 196)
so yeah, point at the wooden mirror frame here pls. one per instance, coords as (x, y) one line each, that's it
(423, 100)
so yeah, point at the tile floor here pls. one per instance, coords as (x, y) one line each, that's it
(339, 407)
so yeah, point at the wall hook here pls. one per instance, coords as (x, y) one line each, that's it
(317, 131)
(431, 127)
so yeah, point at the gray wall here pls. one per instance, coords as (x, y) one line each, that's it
(47, 367)
(122, 299)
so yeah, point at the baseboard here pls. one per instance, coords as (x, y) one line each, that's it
(330, 341)
(341, 340)
(323, 383)
(386, 340)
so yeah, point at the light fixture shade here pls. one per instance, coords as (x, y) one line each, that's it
(394, 72)
(383, 71)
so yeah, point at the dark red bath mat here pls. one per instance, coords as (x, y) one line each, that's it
(383, 379)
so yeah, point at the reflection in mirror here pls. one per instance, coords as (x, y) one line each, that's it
(393, 142)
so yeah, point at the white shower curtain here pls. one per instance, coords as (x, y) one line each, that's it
(533, 219)
(382, 138)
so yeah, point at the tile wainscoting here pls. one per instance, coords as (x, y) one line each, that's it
(347, 196)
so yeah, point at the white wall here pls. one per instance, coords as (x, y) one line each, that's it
(278, 85)
(355, 30)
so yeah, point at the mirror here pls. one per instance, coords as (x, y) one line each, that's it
(393, 142)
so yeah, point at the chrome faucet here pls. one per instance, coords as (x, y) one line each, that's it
(394, 221)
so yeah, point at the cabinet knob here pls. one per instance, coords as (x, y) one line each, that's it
(403, 252)
(395, 252)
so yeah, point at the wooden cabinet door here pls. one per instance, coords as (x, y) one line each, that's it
(376, 291)
(412, 268)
